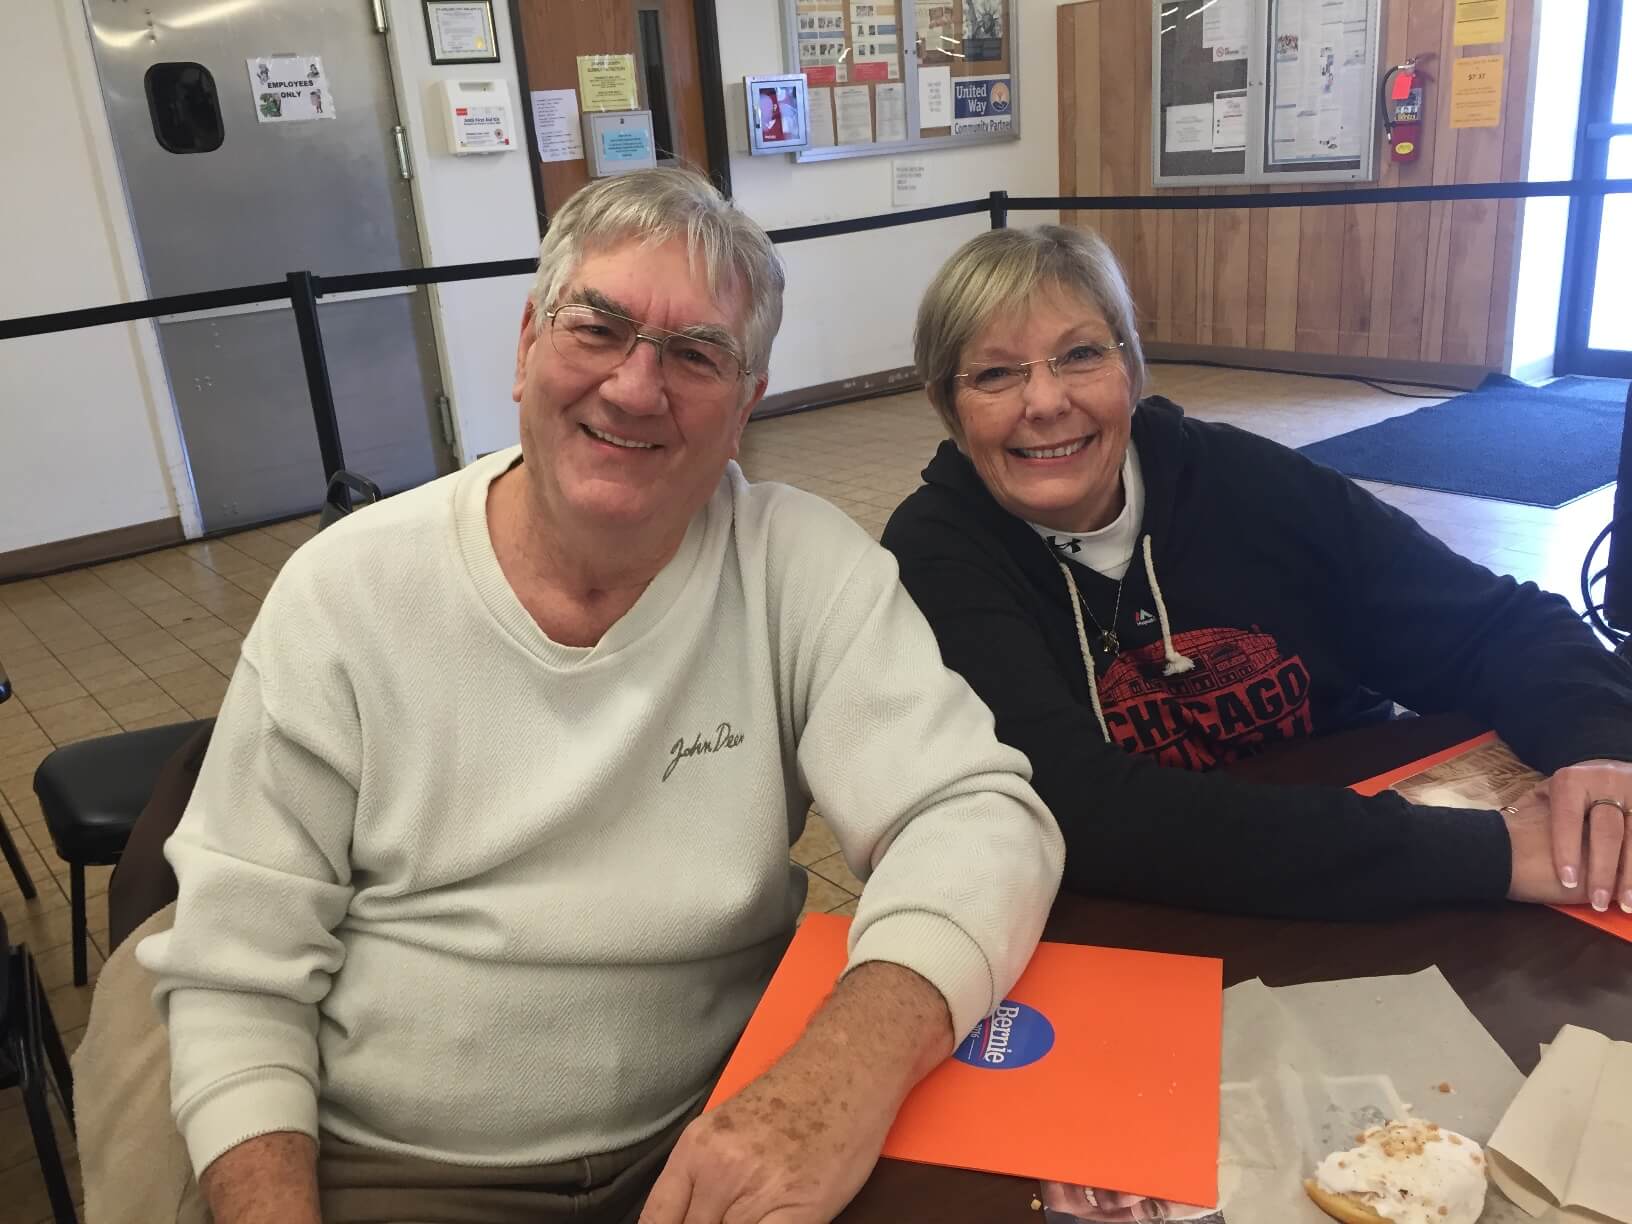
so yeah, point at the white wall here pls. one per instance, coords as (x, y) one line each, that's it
(88, 439)
(472, 208)
(851, 300)
(1552, 115)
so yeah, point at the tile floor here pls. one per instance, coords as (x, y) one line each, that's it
(152, 640)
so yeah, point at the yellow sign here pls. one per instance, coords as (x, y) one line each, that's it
(1479, 21)
(607, 82)
(1476, 92)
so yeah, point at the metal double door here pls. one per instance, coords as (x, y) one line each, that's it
(240, 166)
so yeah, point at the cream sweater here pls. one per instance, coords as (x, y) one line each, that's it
(452, 890)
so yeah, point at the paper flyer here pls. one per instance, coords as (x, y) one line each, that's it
(1086, 1093)
(853, 114)
(892, 112)
(1188, 129)
(1229, 121)
(1320, 93)
(290, 88)
(1479, 21)
(555, 125)
(1226, 22)
(909, 174)
(821, 117)
(607, 83)
(1476, 91)
(934, 97)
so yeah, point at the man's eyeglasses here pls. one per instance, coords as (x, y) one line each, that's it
(1077, 364)
(598, 341)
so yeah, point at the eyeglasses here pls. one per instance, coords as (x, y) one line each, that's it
(1077, 364)
(599, 341)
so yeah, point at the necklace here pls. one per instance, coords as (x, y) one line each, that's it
(1108, 642)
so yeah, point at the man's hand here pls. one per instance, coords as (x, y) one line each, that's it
(796, 1144)
(1606, 874)
(1561, 856)
(271, 1179)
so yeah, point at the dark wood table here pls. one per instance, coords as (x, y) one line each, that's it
(1523, 970)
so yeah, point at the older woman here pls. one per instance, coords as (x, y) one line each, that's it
(1142, 597)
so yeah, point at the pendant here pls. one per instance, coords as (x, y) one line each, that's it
(1109, 642)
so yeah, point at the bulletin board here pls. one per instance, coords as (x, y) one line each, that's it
(1264, 91)
(896, 76)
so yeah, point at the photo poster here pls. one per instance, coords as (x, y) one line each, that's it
(937, 33)
(983, 31)
(824, 49)
(1320, 84)
(1201, 126)
(875, 41)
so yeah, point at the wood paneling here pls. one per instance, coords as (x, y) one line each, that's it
(1431, 282)
(555, 33)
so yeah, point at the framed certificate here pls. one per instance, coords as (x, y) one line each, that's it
(461, 31)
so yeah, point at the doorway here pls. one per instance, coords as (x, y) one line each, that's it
(1595, 330)
(255, 139)
(675, 44)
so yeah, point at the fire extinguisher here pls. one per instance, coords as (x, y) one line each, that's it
(1402, 109)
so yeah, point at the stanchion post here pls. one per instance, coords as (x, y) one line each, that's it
(999, 206)
(303, 287)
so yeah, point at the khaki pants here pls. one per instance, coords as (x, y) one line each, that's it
(136, 1170)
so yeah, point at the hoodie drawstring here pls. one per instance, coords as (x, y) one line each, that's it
(1087, 654)
(1177, 664)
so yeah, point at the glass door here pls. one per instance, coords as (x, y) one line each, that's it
(1595, 332)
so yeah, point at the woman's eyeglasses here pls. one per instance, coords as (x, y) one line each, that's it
(1077, 364)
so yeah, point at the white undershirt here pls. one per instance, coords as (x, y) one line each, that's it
(1111, 548)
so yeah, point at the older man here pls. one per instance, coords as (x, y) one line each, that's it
(487, 866)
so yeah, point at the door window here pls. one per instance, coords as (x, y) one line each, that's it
(649, 24)
(185, 108)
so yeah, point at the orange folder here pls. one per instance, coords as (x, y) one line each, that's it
(1615, 921)
(1100, 1068)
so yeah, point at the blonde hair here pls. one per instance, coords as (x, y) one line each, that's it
(1002, 271)
(655, 206)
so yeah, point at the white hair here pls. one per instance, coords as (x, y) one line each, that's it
(995, 276)
(655, 206)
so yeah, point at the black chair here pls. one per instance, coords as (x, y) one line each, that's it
(14, 859)
(32, 1058)
(92, 792)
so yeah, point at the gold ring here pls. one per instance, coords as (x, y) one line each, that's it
(1614, 803)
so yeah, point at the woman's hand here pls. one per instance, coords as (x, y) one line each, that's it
(1590, 803)
(1569, 847)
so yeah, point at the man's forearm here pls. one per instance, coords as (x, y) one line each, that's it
(884, 1025)
(271, 1179)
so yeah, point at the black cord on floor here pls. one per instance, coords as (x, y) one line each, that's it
(1376, 386)
(1592, 615)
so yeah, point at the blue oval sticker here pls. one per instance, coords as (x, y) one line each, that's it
(1013, 1036)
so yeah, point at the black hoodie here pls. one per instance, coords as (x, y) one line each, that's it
(1308, 607)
